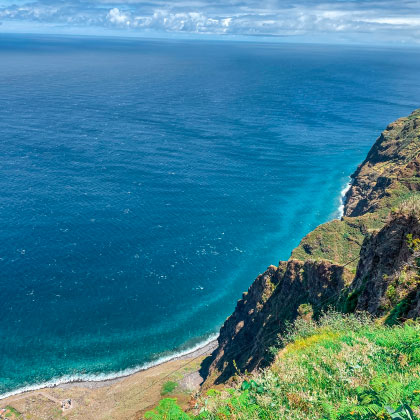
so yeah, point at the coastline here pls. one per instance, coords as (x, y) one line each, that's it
(343, 194)
(93, 381)
(204, 348)
(124, 397)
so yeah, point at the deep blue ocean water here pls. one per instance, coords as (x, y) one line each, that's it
(144, 184)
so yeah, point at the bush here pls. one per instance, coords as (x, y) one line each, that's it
(340, 367)
(168, 387)
(167, 410)
(410, 206)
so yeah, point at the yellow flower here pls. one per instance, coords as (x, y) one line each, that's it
(417, 391)
(352, 413)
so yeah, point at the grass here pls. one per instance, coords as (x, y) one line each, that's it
(340, 368)
(337, 241)
(340, 241)
(168, 387)
(12, 413)
(343, 366)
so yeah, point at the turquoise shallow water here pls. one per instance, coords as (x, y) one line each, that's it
(145, 184)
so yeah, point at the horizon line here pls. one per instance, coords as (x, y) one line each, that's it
(265, 39)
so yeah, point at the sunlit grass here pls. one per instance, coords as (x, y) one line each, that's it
(342, 367)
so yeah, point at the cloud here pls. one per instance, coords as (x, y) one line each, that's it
(116, 17)
(162, 20)
(354, 19)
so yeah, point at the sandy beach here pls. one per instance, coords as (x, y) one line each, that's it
(126, 397)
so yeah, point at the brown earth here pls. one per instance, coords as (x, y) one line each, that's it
(125, 398)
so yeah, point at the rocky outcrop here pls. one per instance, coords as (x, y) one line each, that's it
(365, 262)
(393, 158)
(387, 281)
(263, 312)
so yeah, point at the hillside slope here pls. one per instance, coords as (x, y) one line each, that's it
(343, 367)
(365, 261)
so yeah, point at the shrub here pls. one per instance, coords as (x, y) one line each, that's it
(168, 387)
(167, 409)
(391, 293)
(410, 206)
(340, 367)
(305, 311)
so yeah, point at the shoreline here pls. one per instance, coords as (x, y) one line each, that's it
(343, 194)
(204, 348)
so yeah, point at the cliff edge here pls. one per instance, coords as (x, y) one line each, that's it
(367, 261)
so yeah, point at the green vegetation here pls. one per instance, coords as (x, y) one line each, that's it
(168, 387)
(167, 410)
(413, 243)
(338, 241)
(399, 309)
(341, 367)
(12, 413)
(306, 311)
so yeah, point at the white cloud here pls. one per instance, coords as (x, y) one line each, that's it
(116, 17)
(193, 22)
(399, 21)
(313, 19)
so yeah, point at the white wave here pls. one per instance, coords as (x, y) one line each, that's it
(99, 377)
(343, 199)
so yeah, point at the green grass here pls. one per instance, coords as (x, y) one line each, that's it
(12, 411)
(344, 366)
(340, 241)
(168, 387)
(167, 410)
(340, 368)
(337, 241)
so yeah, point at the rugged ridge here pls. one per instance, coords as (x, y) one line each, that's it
(365, 261)
(393, 158)
(272, 300)
(387, 280)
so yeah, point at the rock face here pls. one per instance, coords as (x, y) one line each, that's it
(393, 157)
(366, 261)
(387, 277)
(272, 300)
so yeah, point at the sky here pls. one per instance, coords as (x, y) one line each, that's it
(389, 22)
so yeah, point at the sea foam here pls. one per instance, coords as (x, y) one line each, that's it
(344, 191)
(99, 377)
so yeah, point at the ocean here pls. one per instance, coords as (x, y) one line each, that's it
(144, 184)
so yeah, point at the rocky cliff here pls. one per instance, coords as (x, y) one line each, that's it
(366, 261)
(387, 280)
(393, 159)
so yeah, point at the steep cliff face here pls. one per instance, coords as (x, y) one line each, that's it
(365, 261)
(387, 281)
(272, 300)
(394, 158)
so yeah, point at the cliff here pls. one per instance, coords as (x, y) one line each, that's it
(392, 162)
(366, 261)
